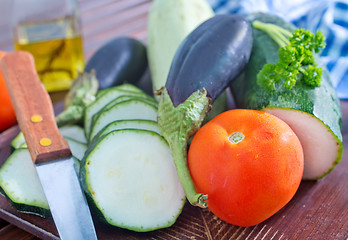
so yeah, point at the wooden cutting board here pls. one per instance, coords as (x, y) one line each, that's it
(319, 210)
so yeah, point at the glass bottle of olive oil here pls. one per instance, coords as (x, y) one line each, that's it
(57, 48)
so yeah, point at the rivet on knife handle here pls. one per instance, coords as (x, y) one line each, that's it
(33, 108)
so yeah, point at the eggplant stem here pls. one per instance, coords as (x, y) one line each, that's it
(177, 125)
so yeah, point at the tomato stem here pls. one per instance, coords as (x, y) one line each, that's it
(177, 125)
(236, 137)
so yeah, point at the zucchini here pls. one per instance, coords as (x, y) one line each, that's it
(20, 184)
(125, 87)
(128, 124)
(132, 184)
(103, 99)
(18, 141)
(169, 22)
(130, 109)
(314, 114)
(122, 98)
(121, 60)
(73, 132)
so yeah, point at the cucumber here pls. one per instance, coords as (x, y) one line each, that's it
(103, 99)
(130, 109)
(314, 114)
(169, 22)
(132, 184)
(20, 184)
(128, 124)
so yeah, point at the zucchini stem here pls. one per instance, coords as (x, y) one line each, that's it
(177, 125)
(278, 34)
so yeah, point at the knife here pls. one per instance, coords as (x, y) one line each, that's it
(48, 149)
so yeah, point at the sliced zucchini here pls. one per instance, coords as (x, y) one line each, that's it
(133, 184)
(73, 132)
(21, 185)
(131, 109)
(128, 124)
(125, 86)
(122, 98)
(77, 148)
(18, 141)
(106, 97)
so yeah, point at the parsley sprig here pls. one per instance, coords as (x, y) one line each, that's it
(296, 57)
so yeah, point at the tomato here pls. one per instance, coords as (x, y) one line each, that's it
(7, 114)
(250, 163)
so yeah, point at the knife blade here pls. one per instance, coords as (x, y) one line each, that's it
(48, 149)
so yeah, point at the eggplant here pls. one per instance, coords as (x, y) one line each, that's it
(212, 56)
(121, 60)
(206, 62)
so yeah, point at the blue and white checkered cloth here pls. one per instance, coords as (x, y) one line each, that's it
(329, 16)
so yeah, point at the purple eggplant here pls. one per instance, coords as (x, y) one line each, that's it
(210, 57)
(121, 60)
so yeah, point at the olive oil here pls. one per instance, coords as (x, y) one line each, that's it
(57, 49)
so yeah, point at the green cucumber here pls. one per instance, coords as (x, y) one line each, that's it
(313, 113)
(169, 22)
(20, 184)
(131, 182)
(128, 124)
(130, 109)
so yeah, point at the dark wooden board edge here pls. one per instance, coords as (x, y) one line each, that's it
(317, 211)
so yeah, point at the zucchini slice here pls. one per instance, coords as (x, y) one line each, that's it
(107, 96)
(130, 177)
(131, 109)
(74, 132)
(144, 98)
(21, 185)
(128, 124)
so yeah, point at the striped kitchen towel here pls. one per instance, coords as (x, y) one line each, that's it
(329, 16)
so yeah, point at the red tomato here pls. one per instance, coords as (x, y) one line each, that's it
(7, 114)
(250, 163)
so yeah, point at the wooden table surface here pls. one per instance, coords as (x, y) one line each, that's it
(318, 211)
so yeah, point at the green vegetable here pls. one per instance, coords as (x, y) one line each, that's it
(130, 109)
(131, 181)
(120, 60)
(81, 94)
(169, 22)
(296, 60)
(313, 113)
(103, 99)
(19, 181)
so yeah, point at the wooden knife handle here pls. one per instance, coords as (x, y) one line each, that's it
(33, 108)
